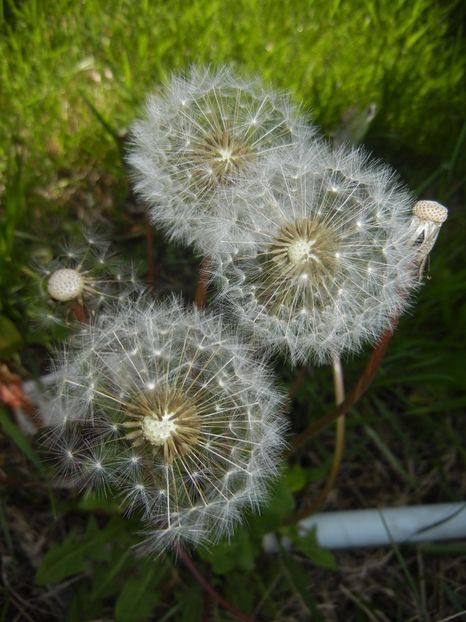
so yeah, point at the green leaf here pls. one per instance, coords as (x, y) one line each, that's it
(190, 600)
(239, 590)
(441, 549)
(280, 505)
(92, 501)
(308, 545)
(297, 579)
(236, 554)
(139, 596)
(104, 583)
(74, 554)
(61, 561)
(296, 478)
(10, 339)
(83, 607)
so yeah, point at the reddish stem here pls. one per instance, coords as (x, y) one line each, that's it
(79, 312)
(206, 586)
(149, 251)
(201, 290)
(359, 388)
(206, 608)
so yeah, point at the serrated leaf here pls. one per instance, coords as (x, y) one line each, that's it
(104, 582)
(73, 554)
(62, 560)
(139, 596)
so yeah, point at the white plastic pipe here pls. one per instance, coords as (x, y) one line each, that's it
(382, 527)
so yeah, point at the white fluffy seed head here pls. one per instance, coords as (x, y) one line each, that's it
(430, 211)
(205, 134)
(172, 415)
(65, 284)
(327, 259)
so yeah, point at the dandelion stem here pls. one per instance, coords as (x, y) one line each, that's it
(207, 587)
(201, 290)
(149, 251)
(206, 608)
(339, 386)
(79, 312)
(338, 380)
(359, 388)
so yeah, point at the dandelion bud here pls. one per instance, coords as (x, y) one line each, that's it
(428, 217)
(205, 134)
(164, 410)
(327, 259)
(86, 273)
(65, 284)
(430, 211)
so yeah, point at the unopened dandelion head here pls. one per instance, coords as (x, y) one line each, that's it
(430, 211)
(164, 409)
(65, 284)
(426, 221)
(206, 133)
(328, 258)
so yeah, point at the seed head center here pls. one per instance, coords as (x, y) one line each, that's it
(301, 252)
(166, 420)
(225, 155)
(65, 284)
(158, 430)
(298, 266)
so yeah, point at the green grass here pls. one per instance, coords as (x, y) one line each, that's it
(406, 57)
(73, 76)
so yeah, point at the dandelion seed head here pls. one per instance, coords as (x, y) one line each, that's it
(210, 411)
(328, 259)
(207, 133)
